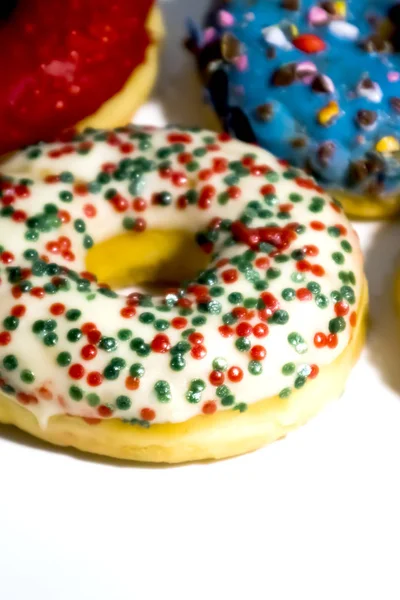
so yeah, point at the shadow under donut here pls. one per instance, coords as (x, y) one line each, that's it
(382, 260)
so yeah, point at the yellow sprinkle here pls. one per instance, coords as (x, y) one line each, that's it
(340, 8)
(329, 112)
(387, 144)
(294, 32)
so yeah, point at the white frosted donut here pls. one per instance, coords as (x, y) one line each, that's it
(247, 350)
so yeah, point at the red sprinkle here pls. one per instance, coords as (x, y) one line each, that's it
(179, 322)
(161, 343)
(76, 371)
(216, 377)
(341, 308)
(5, 338)
(235, 374)
(260, 330)
(209, 408)
(148, 414)
(88, 352)
(132, 383)
(57, 309)
(320, 340)
(94, 379)
(198, 352)
(304, 294)
(258, 352)
(309, 43)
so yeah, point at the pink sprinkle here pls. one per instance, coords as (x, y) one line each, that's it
(393, 76)
(225, 18)
(209, 35)
(317, 16)
(306, 71)
(241, 62)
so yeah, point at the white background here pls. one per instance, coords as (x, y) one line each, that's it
(315, 516)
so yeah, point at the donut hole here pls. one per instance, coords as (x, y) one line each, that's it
(154, 259)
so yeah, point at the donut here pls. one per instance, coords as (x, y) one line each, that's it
(317, 84)
(92, 61)
(258, 325)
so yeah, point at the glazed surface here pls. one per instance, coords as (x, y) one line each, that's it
(316, 83)
(277, 301)
(62, 63)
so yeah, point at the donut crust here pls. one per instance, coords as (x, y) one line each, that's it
(118, 110)
(368, 208)
(221, 435)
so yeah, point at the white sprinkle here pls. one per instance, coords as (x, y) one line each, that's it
(274, 35)
(374, 93)
(344, 30)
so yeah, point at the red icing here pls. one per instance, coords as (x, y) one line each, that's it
(279, 237)
(61, 63)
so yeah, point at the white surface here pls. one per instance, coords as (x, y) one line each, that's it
(315, 516)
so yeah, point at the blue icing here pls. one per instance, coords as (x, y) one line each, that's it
(295, 107)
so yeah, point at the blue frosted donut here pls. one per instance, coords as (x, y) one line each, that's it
(316, 83)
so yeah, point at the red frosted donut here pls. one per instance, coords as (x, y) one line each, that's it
(61, 61)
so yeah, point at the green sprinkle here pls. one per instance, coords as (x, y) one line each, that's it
(346, 246)
(299, 381)
(64, 359)
(93, 399)
(11, 323)
(220, 364)
(146, 318)
(298, 342)
(27, 376)
(50, 339)
(255, 367)
(136, 370)
(74, 335)
(288, 294)
(108, 344)
(243, 344)
(280, 317)
(337, 325)
(73, 314)
(338, 258)
(10, 362)
(177, 363)
(321, 301)
(123, 403)
(75, 392)
(288, 368)
(65, 196)
(124, 334)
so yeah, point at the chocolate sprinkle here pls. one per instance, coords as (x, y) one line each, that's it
(319, 84)
(358, 171)
(325, 153)
(395, 104)
(284, 76)
(264, 112)
(329, 7)
(230, 47)
(298, 142)
(366, 118)
(291, 4)
(375, 43)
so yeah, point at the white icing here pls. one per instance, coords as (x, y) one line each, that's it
(306, 318)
